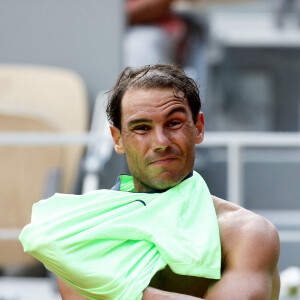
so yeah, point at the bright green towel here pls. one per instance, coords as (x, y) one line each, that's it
(109, 244)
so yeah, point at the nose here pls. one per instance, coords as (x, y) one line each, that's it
(160, 140)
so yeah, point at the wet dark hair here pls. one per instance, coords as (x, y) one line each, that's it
(154, 76)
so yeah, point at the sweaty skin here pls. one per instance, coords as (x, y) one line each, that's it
(158, 137)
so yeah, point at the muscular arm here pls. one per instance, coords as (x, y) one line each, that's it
(250, 251)
(231, 284)
(143, 11)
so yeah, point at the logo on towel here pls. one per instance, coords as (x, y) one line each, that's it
(143, 202)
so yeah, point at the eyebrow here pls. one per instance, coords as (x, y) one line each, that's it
(138, 121)
(175, 110)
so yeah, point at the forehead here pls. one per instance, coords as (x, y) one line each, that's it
(151, 100)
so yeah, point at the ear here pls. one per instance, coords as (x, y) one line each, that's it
(199, 128)
(116, 135)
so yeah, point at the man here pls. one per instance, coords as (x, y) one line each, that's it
(159, 234)
(156, 122)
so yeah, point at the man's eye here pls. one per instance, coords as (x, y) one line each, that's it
(141, 128)
(175, 124)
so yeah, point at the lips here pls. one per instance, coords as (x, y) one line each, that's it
(163, 160)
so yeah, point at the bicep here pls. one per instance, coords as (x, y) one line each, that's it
(250, 262)
(66, 292)
(242, 285)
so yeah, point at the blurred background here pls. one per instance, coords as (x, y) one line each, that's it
(58, 58)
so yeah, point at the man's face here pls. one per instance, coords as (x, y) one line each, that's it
(158, 137)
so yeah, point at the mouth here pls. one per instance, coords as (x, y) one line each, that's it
(163, 161)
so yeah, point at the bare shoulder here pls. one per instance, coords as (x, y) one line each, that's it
(244, 233)
(250, 252)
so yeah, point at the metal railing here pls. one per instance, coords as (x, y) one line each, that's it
(235, 143)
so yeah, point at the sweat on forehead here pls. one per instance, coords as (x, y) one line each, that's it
(152, 79)
(139, 98)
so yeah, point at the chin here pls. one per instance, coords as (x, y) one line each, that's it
(167, 181)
